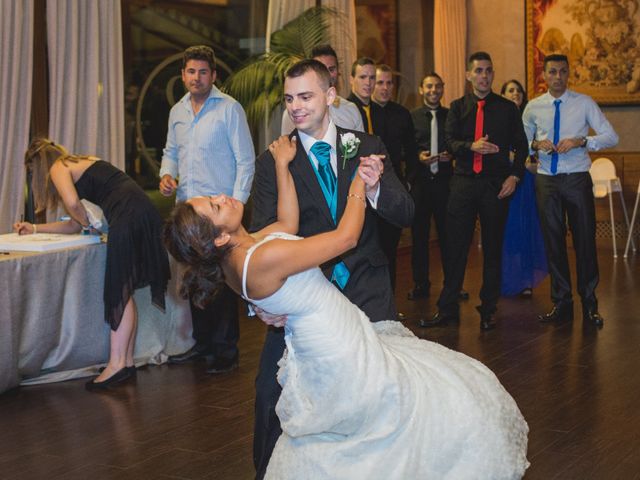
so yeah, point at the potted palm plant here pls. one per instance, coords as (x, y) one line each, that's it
(258, 85)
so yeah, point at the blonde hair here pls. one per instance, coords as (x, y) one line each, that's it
(39, 158)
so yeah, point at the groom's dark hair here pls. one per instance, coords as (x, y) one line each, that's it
(303, 66)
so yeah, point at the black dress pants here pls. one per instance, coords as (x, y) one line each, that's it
(430, 196)
(470, 197)
(216, 326)
(389, 236)
(569, 197)
(267, 424)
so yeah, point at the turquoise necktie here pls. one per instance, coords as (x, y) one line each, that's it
(322, 151)
(556, 135)
(328, 183)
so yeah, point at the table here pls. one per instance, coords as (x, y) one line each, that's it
(52, 319)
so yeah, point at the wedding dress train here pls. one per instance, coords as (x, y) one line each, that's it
(364, 400)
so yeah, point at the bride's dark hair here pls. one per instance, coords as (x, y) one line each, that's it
(189, 239)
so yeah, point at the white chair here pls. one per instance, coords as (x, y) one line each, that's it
(605, 181)
(633, 222)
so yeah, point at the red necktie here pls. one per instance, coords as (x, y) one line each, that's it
(477, 157)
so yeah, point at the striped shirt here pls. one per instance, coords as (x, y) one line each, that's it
(211, 152)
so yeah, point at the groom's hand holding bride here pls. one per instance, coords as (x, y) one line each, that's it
(271, 319)
(370, 170)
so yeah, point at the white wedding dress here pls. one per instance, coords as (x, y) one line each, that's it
(364, 400)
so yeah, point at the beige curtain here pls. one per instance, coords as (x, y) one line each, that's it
(342, 34)
(16, 71)
(86, 77)
(449, 42)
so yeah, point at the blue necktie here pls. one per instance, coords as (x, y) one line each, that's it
(328, 183)
(322, 151)
(556, 136)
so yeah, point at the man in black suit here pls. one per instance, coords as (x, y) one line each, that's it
(402, 149)
(429, 177)
(308, 94)
(363, 79)
(480, 131)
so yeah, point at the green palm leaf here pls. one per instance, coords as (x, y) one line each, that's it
(258, 85)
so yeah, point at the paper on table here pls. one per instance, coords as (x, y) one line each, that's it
(44, 242)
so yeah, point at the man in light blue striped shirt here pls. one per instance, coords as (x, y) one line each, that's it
(209, 151)
(557, 124)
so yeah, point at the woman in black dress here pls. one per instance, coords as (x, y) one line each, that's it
(136, 257)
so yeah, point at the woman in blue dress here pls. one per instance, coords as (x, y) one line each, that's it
(524, 263)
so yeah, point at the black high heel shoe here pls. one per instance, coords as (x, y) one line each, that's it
(117, 377)
(132, 369)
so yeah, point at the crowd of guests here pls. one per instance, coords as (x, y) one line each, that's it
(472, 161)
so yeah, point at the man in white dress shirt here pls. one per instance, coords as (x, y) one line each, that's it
(557, 126)
(344, 113)
(209, 151)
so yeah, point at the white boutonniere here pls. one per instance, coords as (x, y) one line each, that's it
(350, 144)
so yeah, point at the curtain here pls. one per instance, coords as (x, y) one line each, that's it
(342, 35)
(86, 79)
(449, 42)
(16, 71)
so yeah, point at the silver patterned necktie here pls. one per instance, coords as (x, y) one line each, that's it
(434, 140)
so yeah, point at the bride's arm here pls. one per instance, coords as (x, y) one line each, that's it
(279, 259)
(283, 151)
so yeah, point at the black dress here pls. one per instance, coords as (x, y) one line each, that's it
(136, 256)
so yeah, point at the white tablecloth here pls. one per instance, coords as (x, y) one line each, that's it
(52, 319)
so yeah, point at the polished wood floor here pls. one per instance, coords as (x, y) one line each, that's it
(578, 388)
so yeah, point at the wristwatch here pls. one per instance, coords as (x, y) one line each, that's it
(583, 143)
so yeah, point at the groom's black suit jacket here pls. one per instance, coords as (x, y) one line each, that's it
(368, 285)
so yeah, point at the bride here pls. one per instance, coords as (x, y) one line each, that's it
(359, 399)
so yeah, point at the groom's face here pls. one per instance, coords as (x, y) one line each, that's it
(307, 101)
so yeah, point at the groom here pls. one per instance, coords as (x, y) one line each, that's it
(362, 274)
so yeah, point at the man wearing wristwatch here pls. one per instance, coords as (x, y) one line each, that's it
(481, 129)
(557, 124)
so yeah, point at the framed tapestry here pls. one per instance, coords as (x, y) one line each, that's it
(601, 38)
(377, 30)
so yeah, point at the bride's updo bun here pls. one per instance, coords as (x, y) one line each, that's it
(189, 239)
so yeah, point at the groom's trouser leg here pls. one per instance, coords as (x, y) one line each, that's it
(267, 425)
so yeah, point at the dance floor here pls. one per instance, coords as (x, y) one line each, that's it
(578, 387)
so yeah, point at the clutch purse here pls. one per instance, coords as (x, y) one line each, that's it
(96, 216)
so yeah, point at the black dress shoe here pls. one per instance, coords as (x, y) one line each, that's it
(121, 375)
(559, 313)
(194, 353)
(419, 291)
(593, 317)
(486, 318)
(526, 293)
(463, 295)
(487, 322)
(439, 319)
(223, 365)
